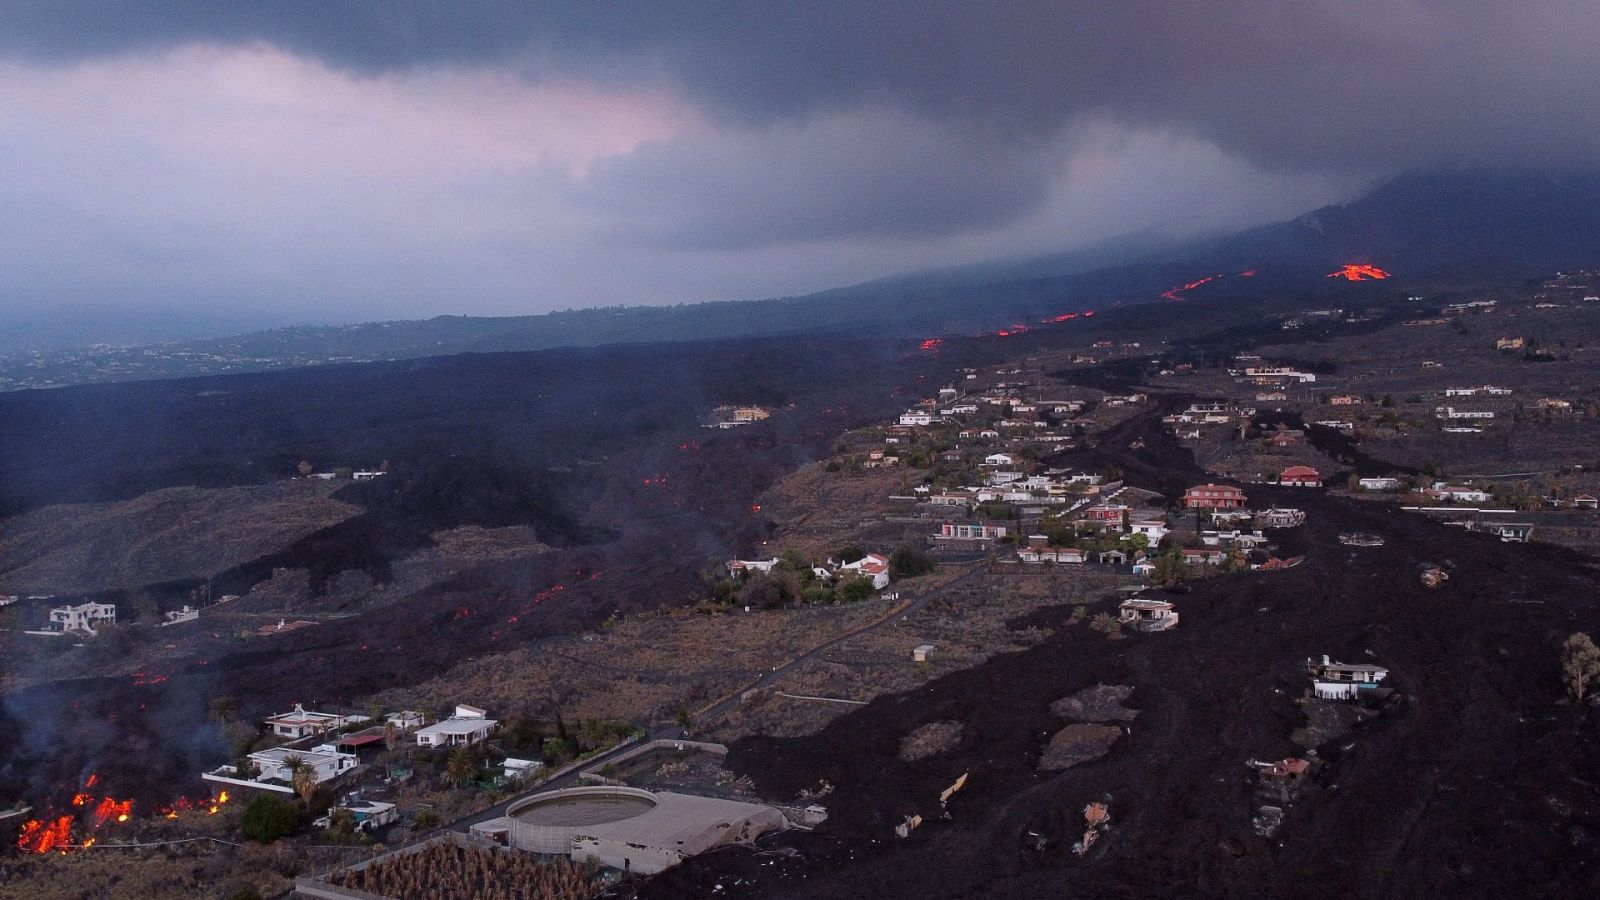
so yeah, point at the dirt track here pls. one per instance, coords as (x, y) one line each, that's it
(1475, 783)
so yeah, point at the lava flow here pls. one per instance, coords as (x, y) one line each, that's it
(55, 833)
(212, 806)
(1174, 293)
(1019, 328)
(932, 343)
(42, 837)
(1359, 272)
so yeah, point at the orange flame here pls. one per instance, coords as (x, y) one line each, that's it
(1359, 272)
(109, 809)
(932, 343)
(42, 837)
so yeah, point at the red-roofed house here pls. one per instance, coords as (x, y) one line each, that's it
(1300, 476)
(1214, 496)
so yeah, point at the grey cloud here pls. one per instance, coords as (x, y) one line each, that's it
(1358, 85)
(850, 176)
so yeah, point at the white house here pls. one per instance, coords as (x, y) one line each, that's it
(874, 566)
(745, 566)
(83, 617)
(405, 719)
(323, 761)
(916, 417)
(999, 459)
(516, 769)
(469, 725)
(1152, 529)
(1459, 494)
(304, 723)
(1380, 484)
(1450, 412)
(1342, 681)
(1147, 615)
(368, 815)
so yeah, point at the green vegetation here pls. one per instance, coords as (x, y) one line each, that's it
(268, 818)
(909, 562)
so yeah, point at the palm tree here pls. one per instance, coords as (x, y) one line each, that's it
(301, 776)
(222, 709)
(461, 767)
(305, 784)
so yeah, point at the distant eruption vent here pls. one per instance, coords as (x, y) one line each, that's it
(1359, 272)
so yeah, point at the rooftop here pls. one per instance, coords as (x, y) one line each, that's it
(458, 726)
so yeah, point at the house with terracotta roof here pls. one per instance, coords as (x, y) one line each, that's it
(1214, 496)
(874, 566)
(1300, 476)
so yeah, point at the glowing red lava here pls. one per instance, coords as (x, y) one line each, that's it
(39, 836)
(1359, 272)
(1174, 293)
(932, 343)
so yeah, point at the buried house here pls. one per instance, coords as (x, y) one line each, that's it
(1343, 681)
(1147, 615)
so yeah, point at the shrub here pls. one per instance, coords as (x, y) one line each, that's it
(268, 818)
(1106, 624)
(908, 562)
(854, 590)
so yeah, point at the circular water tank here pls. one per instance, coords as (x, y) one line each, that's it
(545, 823)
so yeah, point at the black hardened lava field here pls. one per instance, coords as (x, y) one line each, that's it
(1472, 781)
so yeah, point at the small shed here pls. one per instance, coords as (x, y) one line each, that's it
(921, 654)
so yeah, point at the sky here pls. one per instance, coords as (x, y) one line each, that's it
(228, 165)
